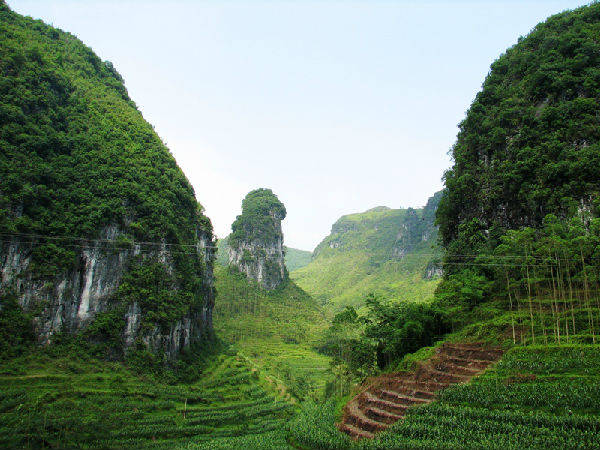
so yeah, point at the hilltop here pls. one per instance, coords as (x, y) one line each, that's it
(383, 251)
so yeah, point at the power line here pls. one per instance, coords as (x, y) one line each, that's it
(120, 245)
(103, 240)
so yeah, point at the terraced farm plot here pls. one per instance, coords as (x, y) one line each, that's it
(536, 397)
(116, 409)
(275, 330)
(299, 368)
(387, 398)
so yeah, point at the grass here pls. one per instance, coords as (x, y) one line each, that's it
(275, 330)
(345, 278)
(74, 401)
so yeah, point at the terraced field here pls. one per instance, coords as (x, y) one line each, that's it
(386, 399)
(535, 397)
(230, 407)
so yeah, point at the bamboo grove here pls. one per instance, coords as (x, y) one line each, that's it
(546, 280)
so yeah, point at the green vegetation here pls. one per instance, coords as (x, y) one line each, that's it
(259, 222)
(276, 330)
(16, 328)
(63, 398)
(517, 224)
(529, 145)
(78, 156)
(536, 397)
(545, 280)
(361, 344)
(296, 259)
(382, 251)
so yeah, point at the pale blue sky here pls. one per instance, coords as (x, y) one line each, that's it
(338, 106)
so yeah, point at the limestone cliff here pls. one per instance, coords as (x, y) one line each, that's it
(71, 300)
(256, 242)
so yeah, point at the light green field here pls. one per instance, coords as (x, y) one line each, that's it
(276, 330)
(74, 401)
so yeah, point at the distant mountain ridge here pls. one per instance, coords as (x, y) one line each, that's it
(382, 230)
(390, 252)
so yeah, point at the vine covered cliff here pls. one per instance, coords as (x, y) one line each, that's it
(530, 143)
(256, 240)
(100, 231)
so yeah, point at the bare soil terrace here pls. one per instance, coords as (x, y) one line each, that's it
(384, 399)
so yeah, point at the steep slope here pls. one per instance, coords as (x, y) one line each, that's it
(389, 252)
(530, 143)
(256, 239)
(98, 224)
(275, 329)
(386, 399)
(293, 258)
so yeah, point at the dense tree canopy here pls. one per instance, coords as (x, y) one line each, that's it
(530, 143)
(260, 219)
(76, 154)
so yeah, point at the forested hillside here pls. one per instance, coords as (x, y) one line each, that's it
(389, 252)
(100, 229)
(529, 145)
(518, 218)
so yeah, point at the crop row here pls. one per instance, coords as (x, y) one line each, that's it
(552, 395)
(542, 360)
(241, 415)
(439, 426)
(265, 399)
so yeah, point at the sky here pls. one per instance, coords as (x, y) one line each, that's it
(337, 106)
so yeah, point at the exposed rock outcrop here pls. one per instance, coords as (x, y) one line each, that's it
(70, 301)
(256, 242)
(433, 270)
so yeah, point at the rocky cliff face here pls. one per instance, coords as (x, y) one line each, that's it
(256, 242)
(70, 301)
(416, 227)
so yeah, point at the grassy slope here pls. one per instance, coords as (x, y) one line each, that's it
(357, 258)
(74, 401)
(275, 330)
(296, 259)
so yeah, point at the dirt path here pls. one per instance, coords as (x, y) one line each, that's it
(384, 400)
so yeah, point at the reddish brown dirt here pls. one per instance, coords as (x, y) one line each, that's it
(384, 400)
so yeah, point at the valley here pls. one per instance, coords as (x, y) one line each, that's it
(469, 322)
